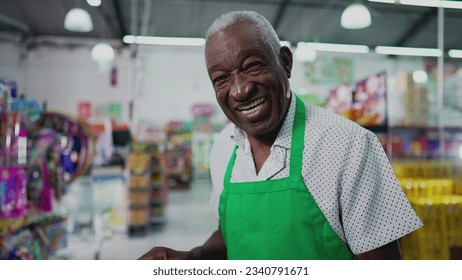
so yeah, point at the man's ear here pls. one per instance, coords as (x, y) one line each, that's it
(286, 59)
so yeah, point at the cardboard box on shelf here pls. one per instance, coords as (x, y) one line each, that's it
(441, 233)
(139, 198)
(138, 162)
(139, 181)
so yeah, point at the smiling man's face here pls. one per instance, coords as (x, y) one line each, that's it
(250, 80)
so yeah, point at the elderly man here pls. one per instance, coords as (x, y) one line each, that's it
(290, 180)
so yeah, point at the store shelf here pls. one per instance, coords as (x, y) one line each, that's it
(423, 127)
(434, 189)
(32, 237)
(423, 142)
(178, 155)
(48, 152)
(148, 194)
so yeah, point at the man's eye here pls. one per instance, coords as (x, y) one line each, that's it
(256, 65)
(219, 80)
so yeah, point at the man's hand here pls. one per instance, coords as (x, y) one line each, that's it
(213, 249)
(162, 253)
(390, 251)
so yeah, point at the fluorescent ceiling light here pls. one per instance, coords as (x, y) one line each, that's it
(455, 53)
(383, 1)
(424, 3)
(78, 20)
(167, 41)
(433, 3)
(285, 43)
(408, 51)
(305, 53)
(327, 47)
(355, 16)
(452, 4)
(129, 39)
(94, 3)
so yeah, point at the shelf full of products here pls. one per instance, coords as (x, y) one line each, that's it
(40, 154)
(434, 189)
(178, 155)
(148, 190)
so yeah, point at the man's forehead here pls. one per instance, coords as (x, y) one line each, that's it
(236, 31)
(257, 51)
(235, 35)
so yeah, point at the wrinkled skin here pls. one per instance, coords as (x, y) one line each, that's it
(251, 83)
(244, 72)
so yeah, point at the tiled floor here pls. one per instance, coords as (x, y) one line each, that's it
(189, 222)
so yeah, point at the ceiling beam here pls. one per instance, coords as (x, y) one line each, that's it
(261, 2)
(14, 23)
(280, 13)
(108, 24)
(118, 11)
(416, 27)
(384, 9)
(26, 18)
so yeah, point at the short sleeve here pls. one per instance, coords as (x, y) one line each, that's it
(220, 154)
(374, 208)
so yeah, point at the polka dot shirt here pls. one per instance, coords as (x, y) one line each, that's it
(344, 168)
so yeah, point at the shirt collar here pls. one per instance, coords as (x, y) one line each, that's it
(284, 136)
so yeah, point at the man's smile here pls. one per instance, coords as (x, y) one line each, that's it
(253, 107)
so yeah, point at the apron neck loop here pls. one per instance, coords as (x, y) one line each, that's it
(298, 138)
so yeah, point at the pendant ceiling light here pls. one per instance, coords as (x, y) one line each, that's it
(102, 52)
(78, 20)
(420, 76)
(94, 3)
(356, 16)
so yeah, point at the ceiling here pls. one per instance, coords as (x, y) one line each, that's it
(294, 20)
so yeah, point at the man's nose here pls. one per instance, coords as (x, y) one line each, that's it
(241, 87)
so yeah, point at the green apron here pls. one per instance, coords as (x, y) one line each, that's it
(277, 219)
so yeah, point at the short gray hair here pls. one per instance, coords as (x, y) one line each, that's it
(264, 28)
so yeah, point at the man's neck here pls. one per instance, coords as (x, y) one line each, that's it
(261, 144)
(260, 151)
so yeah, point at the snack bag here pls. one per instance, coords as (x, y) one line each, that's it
(13, 195)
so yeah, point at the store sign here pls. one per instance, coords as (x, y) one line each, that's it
(203, 110)
(84, 110)
(327, 70)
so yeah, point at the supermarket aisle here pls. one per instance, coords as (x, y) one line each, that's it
(190, 221)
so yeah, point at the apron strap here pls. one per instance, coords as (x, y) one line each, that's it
(298, 138)
(229, 169)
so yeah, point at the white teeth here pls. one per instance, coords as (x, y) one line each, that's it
(250, 112)
(251, 105)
